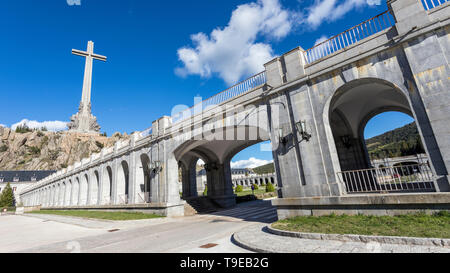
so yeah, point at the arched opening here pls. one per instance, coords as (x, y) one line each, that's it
(67, 201)
(75, 191)
(106, 194)
(62, 193)
(350, 110)
(54, 196)
(83, 190)
(122, 183)
(144, 179)
(216, 146)
(95, 183)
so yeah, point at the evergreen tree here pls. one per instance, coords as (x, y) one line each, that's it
(7, 197)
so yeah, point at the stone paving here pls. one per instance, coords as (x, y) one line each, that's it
(257, 239)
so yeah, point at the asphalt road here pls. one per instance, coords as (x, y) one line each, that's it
(208, 233)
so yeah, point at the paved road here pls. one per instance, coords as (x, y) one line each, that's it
(257, 238)
(186, 234)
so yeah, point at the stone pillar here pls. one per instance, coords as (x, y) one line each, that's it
(167, 177)
(409, 14)
(132, 189)
(426, 71)
(100, 185)
(114, 167)
(220, 187)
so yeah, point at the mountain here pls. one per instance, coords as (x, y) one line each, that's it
(42, 150)
(268, 168)
(403, 141)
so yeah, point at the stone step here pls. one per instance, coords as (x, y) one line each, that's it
(200, 205)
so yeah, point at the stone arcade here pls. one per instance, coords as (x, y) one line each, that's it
(313, 105)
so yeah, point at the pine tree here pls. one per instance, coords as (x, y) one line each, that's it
(7, 197)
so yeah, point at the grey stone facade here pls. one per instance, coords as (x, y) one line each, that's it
(402, 68)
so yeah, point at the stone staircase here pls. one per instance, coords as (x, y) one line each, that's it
(199, 205)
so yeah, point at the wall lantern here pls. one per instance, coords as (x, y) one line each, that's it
(156, 167)
(346, 141)
(282, 138)
(302, 129)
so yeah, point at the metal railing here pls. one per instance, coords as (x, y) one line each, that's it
(357, 33)
(234, 91)
(407, 178)
(147, 132)
(430, 4)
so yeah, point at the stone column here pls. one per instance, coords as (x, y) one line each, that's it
(132, 198)
(220, 187)
(426, 70)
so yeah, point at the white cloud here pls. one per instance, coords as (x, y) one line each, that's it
(233, 52)
(50, 125)
(250, 163)
(3, 125)
(332, 10)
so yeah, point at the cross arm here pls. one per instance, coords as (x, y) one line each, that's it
(80, 53)
(86, 54)
(99, 57)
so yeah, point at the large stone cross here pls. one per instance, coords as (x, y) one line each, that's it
(84, 121)
(87, 83)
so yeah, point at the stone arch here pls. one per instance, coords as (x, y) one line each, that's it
(54, 195)
(75, 191)
(83, 189)
(143, 179)
(94, 188)
(62, 193)
(107, 177)
(123, 182)
(67, 201)
(330, 111)
(352, 105)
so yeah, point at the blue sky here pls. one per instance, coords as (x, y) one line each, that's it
(156, 59)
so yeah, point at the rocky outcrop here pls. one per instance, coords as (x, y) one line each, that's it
(39, 150)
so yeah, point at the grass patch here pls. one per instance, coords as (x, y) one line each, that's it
(413, 225)
(246, 191)
(105, 215)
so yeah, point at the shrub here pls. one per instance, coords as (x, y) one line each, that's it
(53, 154)
(256, 186)
(205, 192)
(40, 134)
(270, 187)
(239, 188)
(99, 144)
(34, 150)
(3, 148)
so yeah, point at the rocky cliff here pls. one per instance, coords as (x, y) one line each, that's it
(38, 150)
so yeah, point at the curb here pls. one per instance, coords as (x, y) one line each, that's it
(363, 238)
(236, 240)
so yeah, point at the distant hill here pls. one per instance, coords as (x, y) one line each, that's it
(268, 168)
(403, 141)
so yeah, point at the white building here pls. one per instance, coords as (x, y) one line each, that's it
(20, 180)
